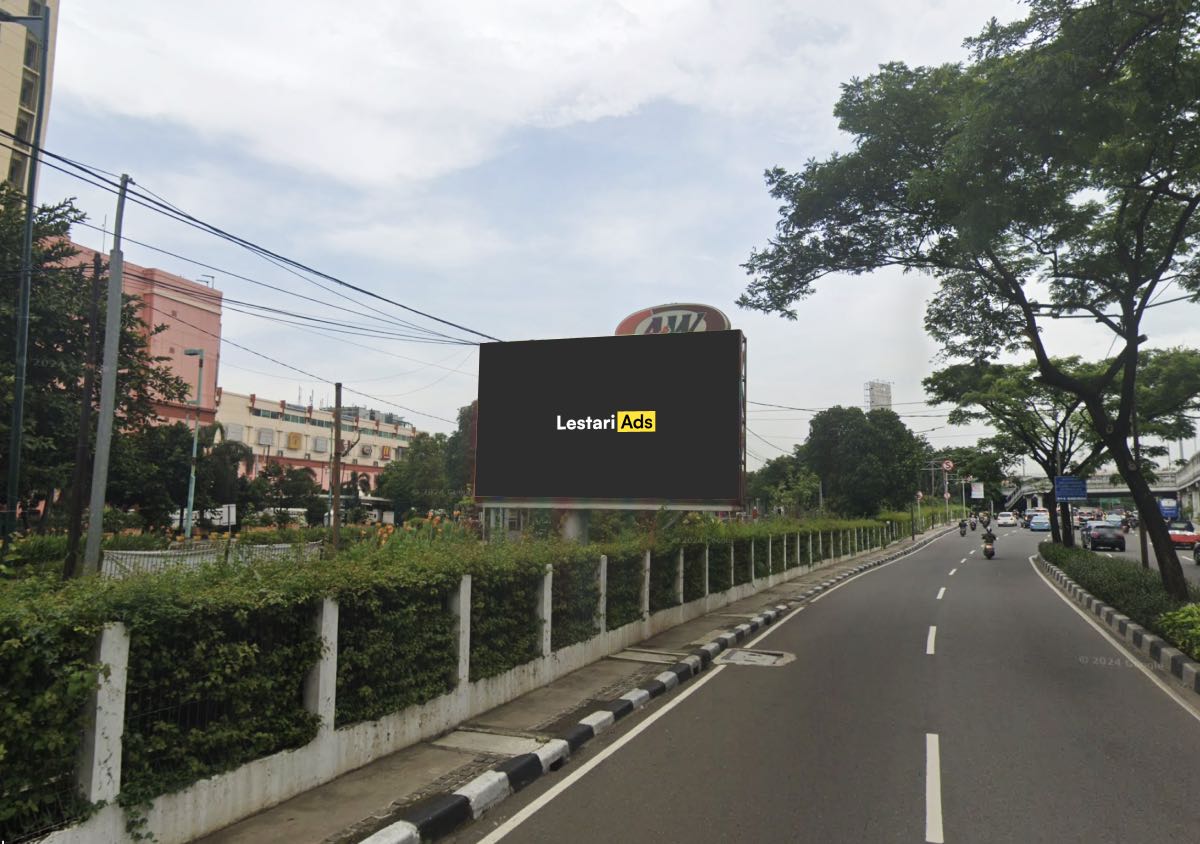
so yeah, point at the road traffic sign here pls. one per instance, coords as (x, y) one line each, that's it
(1067, 488)
(920, 495)
(946, 496)
(948, 465)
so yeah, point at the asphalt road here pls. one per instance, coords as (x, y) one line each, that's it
(1023, 724)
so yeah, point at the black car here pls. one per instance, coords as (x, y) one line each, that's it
(1106, 536)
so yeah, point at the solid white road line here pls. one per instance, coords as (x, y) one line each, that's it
(933, 790)
(929, 641)
(528, 812)
(941, 592)
(952, 571)
(1186, 704)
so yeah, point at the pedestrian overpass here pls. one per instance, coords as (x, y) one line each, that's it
(1182, 482)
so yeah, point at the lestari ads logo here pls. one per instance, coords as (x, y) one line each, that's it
(623, 422)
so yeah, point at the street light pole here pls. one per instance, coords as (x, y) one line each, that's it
(187, 529)
(40, 27)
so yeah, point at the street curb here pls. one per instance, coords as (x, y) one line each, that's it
(439, 815)
(1161, 653)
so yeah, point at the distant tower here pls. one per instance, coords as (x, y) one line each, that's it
(877, 394)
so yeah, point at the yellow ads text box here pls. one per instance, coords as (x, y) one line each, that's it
(636, 422)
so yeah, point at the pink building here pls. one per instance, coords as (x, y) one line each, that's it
(191, 312)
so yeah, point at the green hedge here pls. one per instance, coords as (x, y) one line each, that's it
(396, 648)
(761, 566)
(47, 641)
(718, 566)
(212, 684)
(664, 569)
(1182, 626)
(624, 589)
(1135, 591)
(576, 594)
(505, 629)
(741, 560)
(778, 555)
(693, 571)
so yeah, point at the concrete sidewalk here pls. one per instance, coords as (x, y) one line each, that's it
(356, 804)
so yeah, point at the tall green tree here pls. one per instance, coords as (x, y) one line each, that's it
(865, 461)
(418, 480)
(1056, 174)
(460, 451)
(58, 328)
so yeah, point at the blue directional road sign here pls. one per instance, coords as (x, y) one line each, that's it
(1068, 488)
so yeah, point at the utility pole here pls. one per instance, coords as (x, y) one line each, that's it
(191, 496)
(108, 390)
(80, 479)
(335, 520)
(40, 27)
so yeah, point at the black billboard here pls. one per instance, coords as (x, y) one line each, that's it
(651, 419)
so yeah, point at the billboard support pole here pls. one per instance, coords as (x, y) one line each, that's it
(574, 526)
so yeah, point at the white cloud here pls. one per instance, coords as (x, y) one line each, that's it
(380, 93)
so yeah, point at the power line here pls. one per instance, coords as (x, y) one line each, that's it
(166, 209)
(315, 377)
(768, 442)
(374, 314)
(227, 302)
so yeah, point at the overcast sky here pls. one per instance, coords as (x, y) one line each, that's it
(527, 168)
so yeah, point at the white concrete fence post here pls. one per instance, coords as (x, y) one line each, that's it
(810, 559)
(460, 608)
(706, 546)
(320, 686)
(679, 578)
(732, 567)
(100, 752)
(820, 543)
(602, 588)
(545, 608)
(752, 549)
(646, 585)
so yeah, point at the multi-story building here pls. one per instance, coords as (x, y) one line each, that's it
(302, 436)
(190, 312)
(20, 64)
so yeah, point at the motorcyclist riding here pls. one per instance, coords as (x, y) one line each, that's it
(962, 527)
(989, 542)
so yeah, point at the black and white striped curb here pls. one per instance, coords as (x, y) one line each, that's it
(1160, 652)
(438, 816)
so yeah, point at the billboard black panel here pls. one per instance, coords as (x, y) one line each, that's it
(637, 419)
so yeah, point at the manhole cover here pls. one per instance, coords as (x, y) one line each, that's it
(742, 656)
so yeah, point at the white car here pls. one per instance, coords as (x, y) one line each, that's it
(1006, 520)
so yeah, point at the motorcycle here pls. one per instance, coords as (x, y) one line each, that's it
(962, 529)
(989, 548)
(973, 524)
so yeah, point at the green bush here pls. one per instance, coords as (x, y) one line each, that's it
(693, 571)
(718, 566)
(1182, 626)
(1135, 591)
(762, 566)
(576, 595)
(216, 675)
(778, 559)
(505, 630)
(396, 648)
(741, 561)
(664, 568)
(624, 588)
(47, 639)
